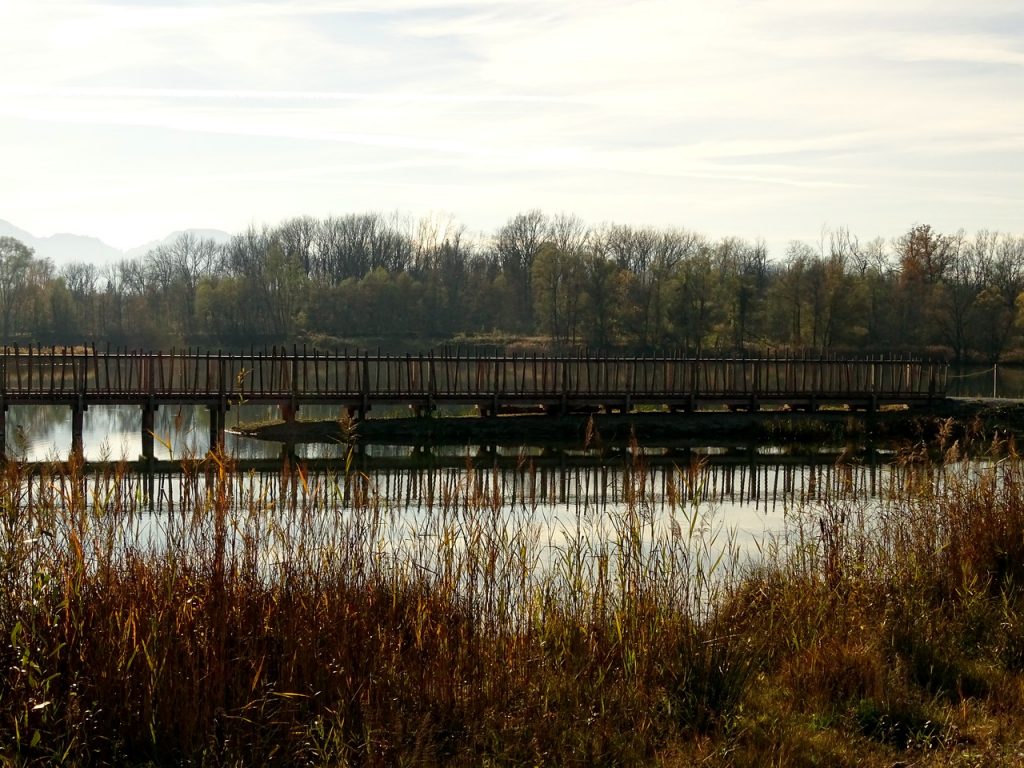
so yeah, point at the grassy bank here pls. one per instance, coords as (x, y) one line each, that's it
(237, 628)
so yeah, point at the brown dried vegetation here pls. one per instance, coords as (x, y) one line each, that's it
(230, 628)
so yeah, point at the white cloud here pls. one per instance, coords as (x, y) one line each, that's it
(715, 107)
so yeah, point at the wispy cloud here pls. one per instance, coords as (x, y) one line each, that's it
(658, 104)
(244, 95)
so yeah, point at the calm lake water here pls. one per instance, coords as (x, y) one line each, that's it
(40, 433)
(741, 495)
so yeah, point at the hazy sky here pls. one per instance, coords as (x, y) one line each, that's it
(128, 119)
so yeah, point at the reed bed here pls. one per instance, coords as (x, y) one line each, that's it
(237, 626)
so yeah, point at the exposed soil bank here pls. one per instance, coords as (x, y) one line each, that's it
(959, 417)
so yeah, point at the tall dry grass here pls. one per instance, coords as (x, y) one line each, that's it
(235, 626)
(239, 627)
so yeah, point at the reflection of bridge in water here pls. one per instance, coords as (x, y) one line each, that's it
(80, 378)
(580, 482)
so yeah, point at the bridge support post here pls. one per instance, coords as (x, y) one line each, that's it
(148, 426)
(288, 411)
(218, 414)
(77, 427)
(288, 452)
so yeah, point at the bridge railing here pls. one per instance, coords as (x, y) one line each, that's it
(27, 372)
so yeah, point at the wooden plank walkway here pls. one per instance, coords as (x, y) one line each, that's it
(80, 378)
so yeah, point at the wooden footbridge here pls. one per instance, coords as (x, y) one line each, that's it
(495, 384)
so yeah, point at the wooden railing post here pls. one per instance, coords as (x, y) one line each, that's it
(691, 398)
(494, 387)
(295, 382)
(627, 406)
(431, 381)
(364, 388)
(755, 388)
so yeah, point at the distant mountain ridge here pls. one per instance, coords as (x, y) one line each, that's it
(218, 236)
(66, 248)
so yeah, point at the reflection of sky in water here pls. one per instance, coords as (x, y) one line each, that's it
(557, 509)
(412, 517)
(40, 433)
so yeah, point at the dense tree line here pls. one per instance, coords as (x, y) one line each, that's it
(393, 282)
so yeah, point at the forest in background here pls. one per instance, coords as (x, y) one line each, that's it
(544, 281)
